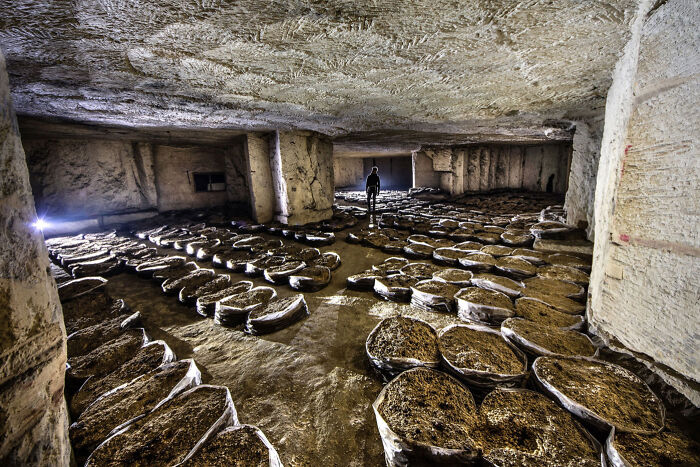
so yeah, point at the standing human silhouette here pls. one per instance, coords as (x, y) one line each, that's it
(372, 187)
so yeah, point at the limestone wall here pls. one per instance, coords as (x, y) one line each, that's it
(348, 171)
(644, 287)
(491, 167)
(33, 416)
(394, 172)
(582, 177)
(86, 177)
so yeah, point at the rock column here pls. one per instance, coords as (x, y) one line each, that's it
(33, 419)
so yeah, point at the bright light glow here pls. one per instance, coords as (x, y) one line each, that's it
(40, 224)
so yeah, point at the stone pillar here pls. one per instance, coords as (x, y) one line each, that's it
(302, 172)
(423, 173)
(262, 195)
(33, 419)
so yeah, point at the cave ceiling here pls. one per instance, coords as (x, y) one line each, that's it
(402, 71)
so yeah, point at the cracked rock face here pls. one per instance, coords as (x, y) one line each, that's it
(335, 66)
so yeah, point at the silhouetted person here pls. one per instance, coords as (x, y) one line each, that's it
(372, 187)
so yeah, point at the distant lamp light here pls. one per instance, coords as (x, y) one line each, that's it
(40, 224)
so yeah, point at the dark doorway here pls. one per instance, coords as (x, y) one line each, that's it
(395, 173)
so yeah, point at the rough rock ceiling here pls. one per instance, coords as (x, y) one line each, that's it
(469, 68)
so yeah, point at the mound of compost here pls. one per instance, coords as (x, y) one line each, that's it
(497, 250)
(243, 445)
(517, 238)
(91, 309)
(79, 287)
(363, 281)
(234, 310)
(88, 339)
(147, 268)
(456, 277)
(483, 306)
(470, 246)
(108, 356)
(190, 293)
(564, 273)
(308, 255)
(477, 261)
(133, 400)
(481, 356)
(420, 271)
(550, 229)
(105, 266)
(390, 265)
(537, 339)
(206, 304)
(193, 248)
(193, 280)
(555, 287)
(257, 266)
(448, 256)
(434, 295)
(517, 268)
(399, 343)
(498, 283)
(376, 240)
(670, 447)
(604, 394)
(520, 427)
(150, 356)
(394, 246)
(546, 315)
(426, 417)
(559, 259)
(166, 436)
(247, 243)
(329, 259)
(560, 303)
(310, 279)
(395, 287)
(280, 274)
(535, 257)
(279, 313)
(175, 272)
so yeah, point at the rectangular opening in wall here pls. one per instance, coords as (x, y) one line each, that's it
(209, 181)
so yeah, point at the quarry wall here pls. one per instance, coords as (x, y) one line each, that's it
(84, 177)
(394, 171)
(33, 415)
(490, 167)
(644, 287)
(348, 171)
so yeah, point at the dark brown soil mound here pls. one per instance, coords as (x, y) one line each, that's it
(434, 295)
(541, 313)
(363, 281)
(424, 408)
(257, 266)
(546, 340)
(234, 309)
(175, 272)
(398, 343)
(602, 393)
(280, 274)
(105, 266)
(449, 256)
(165, 436)
(91, 309)
(136, 398)
(418, 250)
(513, 238)
(277, 314)
(515, 267)
(524, 428)
(390, 265)
(559, 259)
(396, 287)
(670, 447)
(108, 356)
(533, 256)
(480, 355)
(559, 302)
(420, 271)
(146, 359)
(478, 261)
(310, 279)
(244, 446)
(194, 279)
(469, 246)
(376, 240)
(483, 306)
(206, 304)
(497, 250)
(190, 293)
(329, 259)
(79, 287)
(147, 268)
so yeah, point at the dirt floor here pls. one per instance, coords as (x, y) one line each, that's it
(309, 387)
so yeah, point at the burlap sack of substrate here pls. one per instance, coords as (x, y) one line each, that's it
(174, 272)
(603, 394)
(133, 260)
(483, 306)
(480, 356)
(193, 248)
(107, 357)
(521, 427)
(150, 356)
(538, 258)
(517, 238)
(147, 268)
(669, 447)
(559, 259)
(537, 339)
(234, 310)
(174, 429)
(396, 287)
(434, 295)
(438, 430)
(363, 281)
(310, 279)
(242, 445)
(501, 284)
(390, 265)
(418, 250)
(95, 253)
(555, 287)
(420, 271)
(478, 262)
(206, 304)
(105, 266)
(181, 243)
(279, 313)
(194, 279)
(319, 238)
(516, 268)
(559, 302)
(247, 243)
(448, 256)
(280, 274)
(457, 277)
(129, 402)
(256, 267)
(79, 287)
(399, 343)
(550, 229)
(541, 313)
(90, 309)
(329, 259)
(88, 339)
(497, 251)
(190, 293)
(564, 273)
